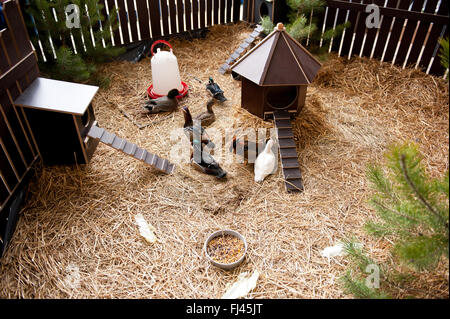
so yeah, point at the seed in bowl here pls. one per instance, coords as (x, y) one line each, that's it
(225, 249)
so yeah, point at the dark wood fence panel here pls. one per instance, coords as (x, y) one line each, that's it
(372, 35)
(216, 12)
(18, 68)
(180, 12)
(153, 6)
(222, 9)
(195, 20)
(395, 32)
(116, 32)
(202, 14)
(431, 48)
(421, 34)
(132, 17)
(408, 33)
(229, 16)
(123, 21)
(188, 11)
(173, 16)
(209, 16)
(236, 10)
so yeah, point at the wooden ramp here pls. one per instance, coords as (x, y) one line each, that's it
(237, 53)
(288, 151)
(130, 149)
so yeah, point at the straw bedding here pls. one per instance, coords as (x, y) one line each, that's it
(77, 237)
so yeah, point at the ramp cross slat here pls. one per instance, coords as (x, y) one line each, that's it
(244, 45)
(130, 149)
(288, 152)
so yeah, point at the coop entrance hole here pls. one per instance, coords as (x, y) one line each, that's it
(263, 9)
(281, 97)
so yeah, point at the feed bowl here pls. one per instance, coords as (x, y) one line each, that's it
(224, 265)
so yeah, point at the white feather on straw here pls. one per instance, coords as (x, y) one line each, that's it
(242, 286)
(146, 230)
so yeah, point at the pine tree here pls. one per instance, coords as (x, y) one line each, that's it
(444, 52)
(413, 213)
(303, 22)
(48, 21)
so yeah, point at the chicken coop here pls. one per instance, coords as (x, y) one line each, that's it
(275, 74)
(85, 213)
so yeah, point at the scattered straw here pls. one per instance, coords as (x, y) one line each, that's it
(82, 218)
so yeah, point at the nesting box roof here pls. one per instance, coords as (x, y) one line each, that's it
(278, 60)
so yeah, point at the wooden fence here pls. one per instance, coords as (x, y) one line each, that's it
(408, 33)
(18, 68)
(153, 19)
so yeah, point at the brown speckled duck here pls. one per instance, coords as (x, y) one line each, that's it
(205, 163)
(194, 132)
(166, 103)
(208, 117)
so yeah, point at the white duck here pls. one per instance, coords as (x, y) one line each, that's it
(265, 163)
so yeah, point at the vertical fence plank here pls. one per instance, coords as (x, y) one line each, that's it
(222, 11)
(436, 67)
(104, 13)
(245, 10)
(236, 10)
(384, 31)
(432, 46)
(180, 12)
(216, 12)
(153, 6)
(132, 17)
(195, 14)
(372, 33)
(202, 14)
(123, 21)
(187, 11)
(348, 36)
(229, 17)
(142, 12)
(173, 16)
(116, 32)
(395, 33)
(328, 22)
(361, 30)
(209, 20)
(408, 34)
(421, 34)
(165, 16)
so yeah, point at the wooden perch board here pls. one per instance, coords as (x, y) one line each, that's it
(244, 45)
(288, 151)
(130, 149)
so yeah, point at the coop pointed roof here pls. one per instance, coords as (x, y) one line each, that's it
(278, 60)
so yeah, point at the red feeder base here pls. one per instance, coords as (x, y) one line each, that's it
(153, 95)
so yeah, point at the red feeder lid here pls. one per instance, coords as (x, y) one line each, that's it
(153, 95)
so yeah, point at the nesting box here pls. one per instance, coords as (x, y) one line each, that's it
(60, 114)
(275, 75)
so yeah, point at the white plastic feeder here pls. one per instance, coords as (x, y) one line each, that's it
(165, 72)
